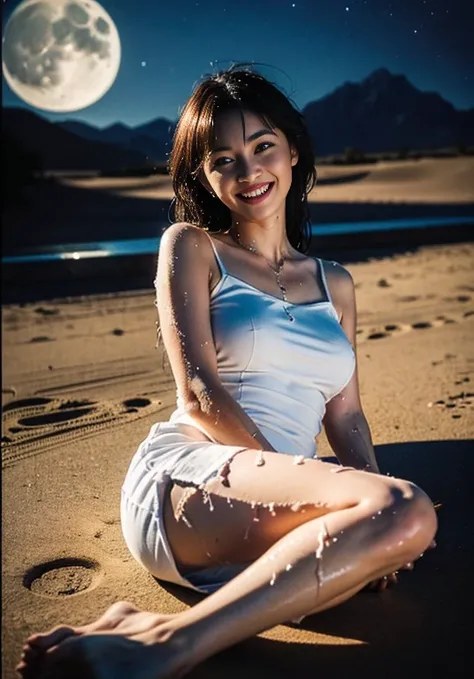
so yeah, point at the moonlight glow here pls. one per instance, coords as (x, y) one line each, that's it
(60, 55)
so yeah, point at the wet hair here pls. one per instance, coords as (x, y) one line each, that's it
(239, 88)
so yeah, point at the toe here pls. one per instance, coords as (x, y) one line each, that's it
(53, 638)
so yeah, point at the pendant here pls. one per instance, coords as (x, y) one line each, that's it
(290, 317)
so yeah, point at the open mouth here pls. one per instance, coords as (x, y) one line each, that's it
(262, 194)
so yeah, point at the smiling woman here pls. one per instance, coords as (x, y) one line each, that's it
(194, 144)
(228, 497)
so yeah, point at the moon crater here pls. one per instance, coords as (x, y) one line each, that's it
(60, 55)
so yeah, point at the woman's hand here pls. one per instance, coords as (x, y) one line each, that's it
(380, 584)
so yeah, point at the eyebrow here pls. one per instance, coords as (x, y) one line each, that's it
(252, 137)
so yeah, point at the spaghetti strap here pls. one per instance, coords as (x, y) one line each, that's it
(323, 280)
(219, 260)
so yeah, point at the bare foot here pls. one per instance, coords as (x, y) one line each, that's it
(122, 635)
(107, 655)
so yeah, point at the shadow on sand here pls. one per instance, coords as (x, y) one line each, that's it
(424, 624)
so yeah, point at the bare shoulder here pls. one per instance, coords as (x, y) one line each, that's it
(185, 240)
(183, 232)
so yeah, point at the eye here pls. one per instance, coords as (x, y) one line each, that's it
(218, 163)
(265, 143)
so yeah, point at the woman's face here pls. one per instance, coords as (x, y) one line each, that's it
(237, 164)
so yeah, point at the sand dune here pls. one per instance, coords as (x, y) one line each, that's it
(82, 384)
(440, 180)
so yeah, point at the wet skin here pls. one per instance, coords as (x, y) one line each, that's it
(311, 557)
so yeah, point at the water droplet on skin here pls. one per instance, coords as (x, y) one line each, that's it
(379, 512)
(298, 459)
(273, 580)
(259, 461)
(288, 567)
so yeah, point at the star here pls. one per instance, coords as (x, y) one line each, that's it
(347, 9)
(143, 63)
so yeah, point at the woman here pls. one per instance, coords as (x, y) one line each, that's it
(228, 496)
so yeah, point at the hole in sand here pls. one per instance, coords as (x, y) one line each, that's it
(53, 418)
(137, 402)
(377, 335)
(26, 402)
(62, 577)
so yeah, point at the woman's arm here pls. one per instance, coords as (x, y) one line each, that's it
(345, 424)
(182, 286)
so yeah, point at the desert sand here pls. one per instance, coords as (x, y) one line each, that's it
(82, 384)
(427, 180)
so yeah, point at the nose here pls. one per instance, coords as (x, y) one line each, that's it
(248, 170)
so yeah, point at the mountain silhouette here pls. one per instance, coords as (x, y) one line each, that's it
(382, 113)
(152, 139)
(56, 148)
(385, 112)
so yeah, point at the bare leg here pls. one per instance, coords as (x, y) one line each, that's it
(327, 558)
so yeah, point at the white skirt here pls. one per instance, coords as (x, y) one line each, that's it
(169, 453)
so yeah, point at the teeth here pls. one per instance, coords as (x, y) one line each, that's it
(256, 193)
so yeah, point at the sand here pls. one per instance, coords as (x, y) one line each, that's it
(83, 382)
(428, 180)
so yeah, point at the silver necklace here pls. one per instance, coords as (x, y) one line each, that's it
(276, 271)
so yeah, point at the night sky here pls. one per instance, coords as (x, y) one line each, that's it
(310, 47)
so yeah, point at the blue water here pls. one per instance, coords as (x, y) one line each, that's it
(149, 246)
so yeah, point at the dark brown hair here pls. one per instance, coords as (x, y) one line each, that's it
(238, 88)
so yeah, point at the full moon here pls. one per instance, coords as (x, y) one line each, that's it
(60, 55)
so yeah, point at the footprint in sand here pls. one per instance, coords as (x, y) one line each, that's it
(42, 338)
(43, 311)
(460, 298)
(455, 401)
(408, 298)
(61, 577)
(421, 325)
(461, 381)
(377, 335)
(35, 424)
(394, 328)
